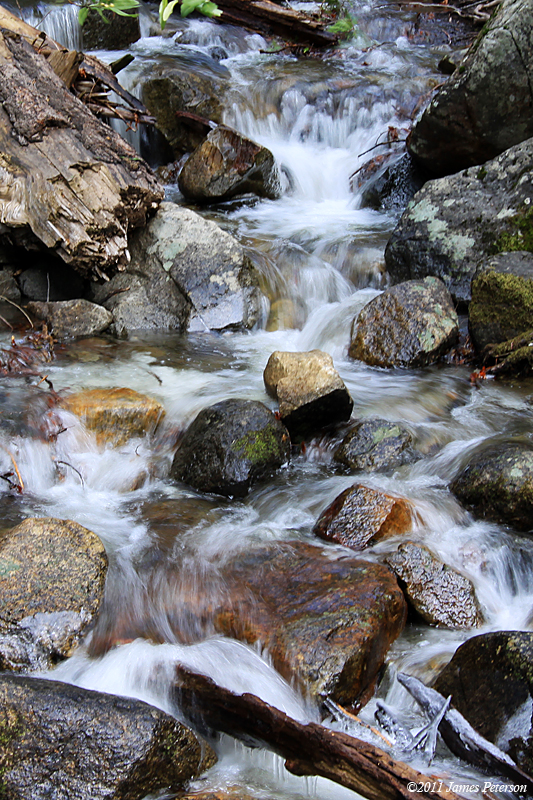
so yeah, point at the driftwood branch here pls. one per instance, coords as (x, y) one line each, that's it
(268, 18)
(309, 748)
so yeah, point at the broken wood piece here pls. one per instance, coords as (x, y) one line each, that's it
(268, 18)
(309, 748)
(66, 64)
(460, 736)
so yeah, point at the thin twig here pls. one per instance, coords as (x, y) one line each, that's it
(66, 463)
(21, 482)
(7, 300)
(4, 320)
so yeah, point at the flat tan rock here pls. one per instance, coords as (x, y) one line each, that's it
(116, 415)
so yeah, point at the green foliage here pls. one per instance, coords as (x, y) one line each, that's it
(120, 7)
(206, 7)
(345, 26)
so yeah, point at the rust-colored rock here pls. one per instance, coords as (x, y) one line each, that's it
(116, 415)
(361, 516)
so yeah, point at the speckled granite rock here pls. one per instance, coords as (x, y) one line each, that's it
(376, 445)
(72, 318)
(440, 594)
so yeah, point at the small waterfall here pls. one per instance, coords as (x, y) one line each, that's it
(58, 22)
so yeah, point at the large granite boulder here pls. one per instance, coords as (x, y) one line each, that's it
(497, 483)
(64, 742)
(490, 678)
(227, 164)
(326, 620)
(502, 299)
(310, 392)
(376, 445)
(171, 86)
(185, 274)
(361, 516)
(116, 415)
(69, 319)
(410, 325)
(229, 446)
(487, 105)
(439, 594)
(454, 224)
(52, 575)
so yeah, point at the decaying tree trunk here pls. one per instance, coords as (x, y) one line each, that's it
(268, 18)
(65, 176)
(309, 749)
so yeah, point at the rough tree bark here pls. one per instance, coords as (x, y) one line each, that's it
(309, 749)
(66, 178)
(267, 17)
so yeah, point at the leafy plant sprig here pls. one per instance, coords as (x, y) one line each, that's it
(166, 7)
(120, 7)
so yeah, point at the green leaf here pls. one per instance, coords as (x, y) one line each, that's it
(162, 5)
(169, 9)
(82, 15)
(210, 9)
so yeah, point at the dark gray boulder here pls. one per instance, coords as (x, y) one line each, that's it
(497, 483)
(454, 224)
(9, 287)
(70, 319)
(487, 105)
(227, 164)
(490, 678)
(63, 742)
(376, 445)
(439, 594)
(409, 325)
(229, 446)
(52, 576)
(502, 299)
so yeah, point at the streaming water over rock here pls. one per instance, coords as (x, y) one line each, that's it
(319, 252)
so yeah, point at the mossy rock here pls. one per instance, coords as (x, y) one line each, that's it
(376, 445)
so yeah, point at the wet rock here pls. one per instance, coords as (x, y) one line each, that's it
(72, 318)
(185, 274)
(169, 519)
(9, 287)
(497, 483)
(360, 516)
(171, 87)
(117, 33)
(50, 280)
(327, 623)
(227, 164)
(502, 299)
(310, 392)
(63, 742)
(410, 325)
(487, 105)
(455, 224)
(116, 415)
(440, 594)
(490, 678)
(229, 446)
(394, 185)
(52, 575)
(376, 445)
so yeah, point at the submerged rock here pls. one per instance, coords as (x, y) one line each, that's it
(502, 299)
(64, 742)
(455, 224)
(310, 392)
(497, 483)
(360, 516)
(440, 594)
(490, 678)
(73, 318)
(375, 445)
(229, 446)
(410, 325)
(52, 575)
(487, 105)
(116, 415)
(227, 164)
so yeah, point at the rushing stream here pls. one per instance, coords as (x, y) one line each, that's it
(319, 253)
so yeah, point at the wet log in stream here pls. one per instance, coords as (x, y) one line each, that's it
(309, 749)
(67, 180)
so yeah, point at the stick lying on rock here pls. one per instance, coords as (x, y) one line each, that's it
(309, 748)
(461, 737)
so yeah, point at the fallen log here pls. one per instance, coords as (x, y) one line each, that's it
(269, 18)
(309, 748)
(66, 178)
